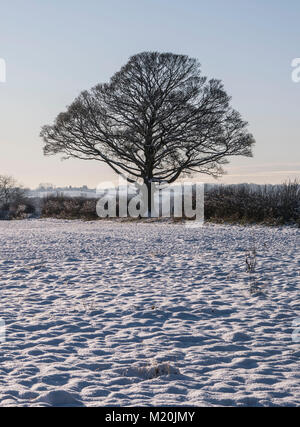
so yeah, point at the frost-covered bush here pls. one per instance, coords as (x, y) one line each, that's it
(60, 206)
(277, 204)
(22, 210)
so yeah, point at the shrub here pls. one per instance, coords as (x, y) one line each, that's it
(63, 207)
(273, 204)
(245, 203)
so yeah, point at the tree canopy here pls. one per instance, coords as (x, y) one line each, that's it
(157, 119)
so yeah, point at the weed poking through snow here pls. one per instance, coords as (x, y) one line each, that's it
(251, 264)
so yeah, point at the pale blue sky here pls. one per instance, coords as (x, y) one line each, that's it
(56, 48)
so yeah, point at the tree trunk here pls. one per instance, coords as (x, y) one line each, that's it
(150, 200)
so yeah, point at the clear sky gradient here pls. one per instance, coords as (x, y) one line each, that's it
(56, 48)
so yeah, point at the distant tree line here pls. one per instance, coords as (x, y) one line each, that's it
(243, 204)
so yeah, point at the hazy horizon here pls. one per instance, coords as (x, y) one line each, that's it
(53, 50)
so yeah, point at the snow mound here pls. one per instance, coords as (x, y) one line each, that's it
(61, 398)
(236, 337)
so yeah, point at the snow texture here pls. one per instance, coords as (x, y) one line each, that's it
(122, 314)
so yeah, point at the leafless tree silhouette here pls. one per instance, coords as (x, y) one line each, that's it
(156, 120)
(9, 190)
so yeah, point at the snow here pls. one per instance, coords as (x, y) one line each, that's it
(148, 314)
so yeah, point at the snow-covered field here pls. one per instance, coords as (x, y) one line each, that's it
(108, 313)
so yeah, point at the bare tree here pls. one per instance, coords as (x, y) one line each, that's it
(11, 192)
(157, 119)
